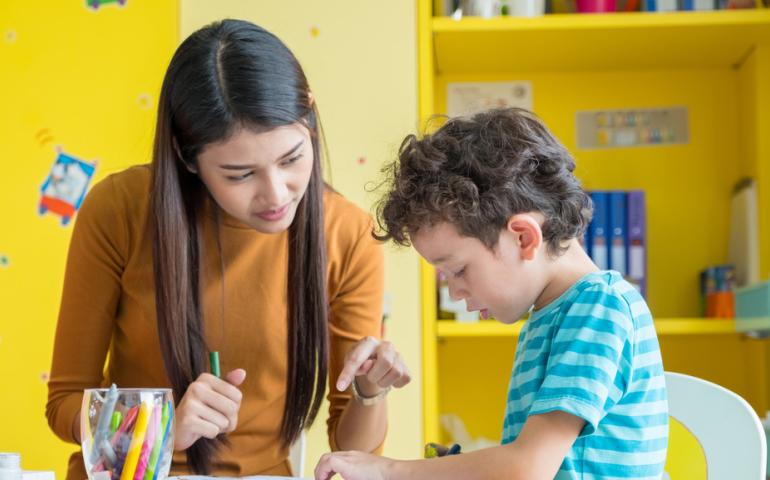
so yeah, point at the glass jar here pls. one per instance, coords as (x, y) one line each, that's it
(127, 433)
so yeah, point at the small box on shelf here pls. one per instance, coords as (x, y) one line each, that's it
(752, 307)
(718, 291)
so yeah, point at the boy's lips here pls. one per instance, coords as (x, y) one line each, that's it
(483, 312)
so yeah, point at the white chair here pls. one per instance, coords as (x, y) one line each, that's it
(297, 455)
(724, 424)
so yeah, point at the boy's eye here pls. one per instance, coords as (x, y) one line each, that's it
(460, 272)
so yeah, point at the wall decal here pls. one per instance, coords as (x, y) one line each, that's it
(43, 137)
(65, 187)
(144, 100)
(95, 4)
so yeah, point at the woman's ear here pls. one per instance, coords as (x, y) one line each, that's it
(528, 232)
(188, 165)
(310, 98)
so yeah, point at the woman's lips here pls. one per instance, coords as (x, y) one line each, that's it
(274, 215)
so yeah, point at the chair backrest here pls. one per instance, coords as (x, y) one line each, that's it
(724, 424)
(297, 455)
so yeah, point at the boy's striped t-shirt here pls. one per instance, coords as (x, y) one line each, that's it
(593, 353)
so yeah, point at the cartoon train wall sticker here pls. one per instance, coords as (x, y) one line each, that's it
(65, 187)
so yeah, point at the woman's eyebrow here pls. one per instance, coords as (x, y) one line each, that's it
(232, 166)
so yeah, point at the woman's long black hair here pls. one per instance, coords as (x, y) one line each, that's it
(228, 75)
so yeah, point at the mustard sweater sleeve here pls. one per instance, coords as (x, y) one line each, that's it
(90, 297)
(356, 312)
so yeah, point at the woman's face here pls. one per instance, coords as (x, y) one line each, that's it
(259, 178)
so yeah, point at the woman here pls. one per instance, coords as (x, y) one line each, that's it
(229, 241)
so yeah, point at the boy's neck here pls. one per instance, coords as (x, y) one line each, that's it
(563, 272)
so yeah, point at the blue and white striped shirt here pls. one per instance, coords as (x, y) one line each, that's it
(593, 353)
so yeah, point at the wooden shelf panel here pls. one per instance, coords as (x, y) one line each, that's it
(664, 326)
(617, 41)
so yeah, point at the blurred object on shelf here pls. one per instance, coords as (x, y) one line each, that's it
(718, 291)
(743, 246)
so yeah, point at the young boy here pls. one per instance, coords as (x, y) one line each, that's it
(492, 202)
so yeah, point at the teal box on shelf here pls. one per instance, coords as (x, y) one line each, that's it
(752, 307)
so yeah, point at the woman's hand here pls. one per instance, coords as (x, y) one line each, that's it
(209, 407)
(354, 466)
(376, 365)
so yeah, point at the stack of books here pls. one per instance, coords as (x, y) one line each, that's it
(616, 239)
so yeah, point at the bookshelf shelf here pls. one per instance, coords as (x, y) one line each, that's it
(695, 326)
(619, 41)
(664, 326)
(753, 325)
(485, 328)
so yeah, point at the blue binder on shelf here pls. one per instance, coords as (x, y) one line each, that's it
(698, 5)
(598, 244)
(659, 5)
(617, 232)
(637, 240)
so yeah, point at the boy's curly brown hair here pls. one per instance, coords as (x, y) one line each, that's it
(476, 173)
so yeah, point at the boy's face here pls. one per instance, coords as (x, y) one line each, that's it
(503, 282)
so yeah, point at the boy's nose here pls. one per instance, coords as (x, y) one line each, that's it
(456, 293)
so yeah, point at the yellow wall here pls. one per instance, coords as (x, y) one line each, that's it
(360, 60)
(85, 80)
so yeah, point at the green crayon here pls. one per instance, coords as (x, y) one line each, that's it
(214, 360)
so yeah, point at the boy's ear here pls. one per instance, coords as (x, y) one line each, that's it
(528, 232)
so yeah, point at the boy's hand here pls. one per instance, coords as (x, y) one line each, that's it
(354, 466)
(209, 407)
(377, 365)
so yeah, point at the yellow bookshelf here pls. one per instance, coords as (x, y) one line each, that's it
(715, 64)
